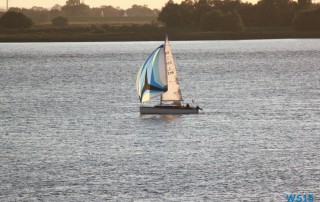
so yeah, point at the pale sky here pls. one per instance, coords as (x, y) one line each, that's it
(124, 4)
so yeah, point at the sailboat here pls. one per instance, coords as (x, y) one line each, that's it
(157, 77)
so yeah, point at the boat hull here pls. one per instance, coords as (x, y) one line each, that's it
(168, 110)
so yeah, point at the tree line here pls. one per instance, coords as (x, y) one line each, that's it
(234, 15)
(205, 15)
(74, 8)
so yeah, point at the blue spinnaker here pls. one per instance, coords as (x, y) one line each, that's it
(152, 77)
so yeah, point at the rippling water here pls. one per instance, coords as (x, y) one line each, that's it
(70, 129)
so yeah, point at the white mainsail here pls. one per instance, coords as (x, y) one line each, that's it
(174, 93)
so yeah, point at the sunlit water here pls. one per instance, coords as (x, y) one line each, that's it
(70, 129)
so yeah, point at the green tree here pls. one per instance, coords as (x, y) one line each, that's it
(201, 7)
(216, 20)
(275, 12)
(13, 20)
(232, 21)
(267, 13)
(247, 11)
(137, 10)
(73, 3)
(171, 15)
(187, 11)
(211, 21)
(287, 10)
(55, 11)
(60, 21)
(303, 4)
(75, 9)
(111, 11)
(308, 20)
(227, 5)
(36, 14)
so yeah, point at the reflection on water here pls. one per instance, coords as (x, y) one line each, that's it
(70, 128)
(162, 117)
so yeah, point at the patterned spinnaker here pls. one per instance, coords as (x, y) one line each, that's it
(152, 76)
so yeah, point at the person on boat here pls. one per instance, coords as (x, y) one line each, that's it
(188, 106)
(198, 108)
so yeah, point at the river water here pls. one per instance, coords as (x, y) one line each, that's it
(70, 129)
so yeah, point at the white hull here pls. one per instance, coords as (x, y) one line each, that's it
(168, 110)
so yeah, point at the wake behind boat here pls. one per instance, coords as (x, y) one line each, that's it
(158, 77)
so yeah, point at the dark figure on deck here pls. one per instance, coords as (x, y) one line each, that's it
(198, 108)
(188, 106)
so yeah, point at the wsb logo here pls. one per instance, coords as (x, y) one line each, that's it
(300, 197)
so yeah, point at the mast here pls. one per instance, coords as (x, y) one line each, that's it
(173, 93)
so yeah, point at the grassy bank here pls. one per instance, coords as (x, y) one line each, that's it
(84, 32)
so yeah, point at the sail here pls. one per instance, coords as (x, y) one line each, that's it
(152, 76)
(174, 92)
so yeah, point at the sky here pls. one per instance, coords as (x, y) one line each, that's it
(124, 4)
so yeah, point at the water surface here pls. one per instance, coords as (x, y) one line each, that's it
(70, 129)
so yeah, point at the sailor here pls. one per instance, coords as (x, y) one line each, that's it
(198, 108)
(188, 106)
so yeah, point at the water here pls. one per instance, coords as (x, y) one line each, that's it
(70, 129)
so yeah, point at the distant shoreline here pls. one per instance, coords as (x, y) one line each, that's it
(153, 36)
(110, 29)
